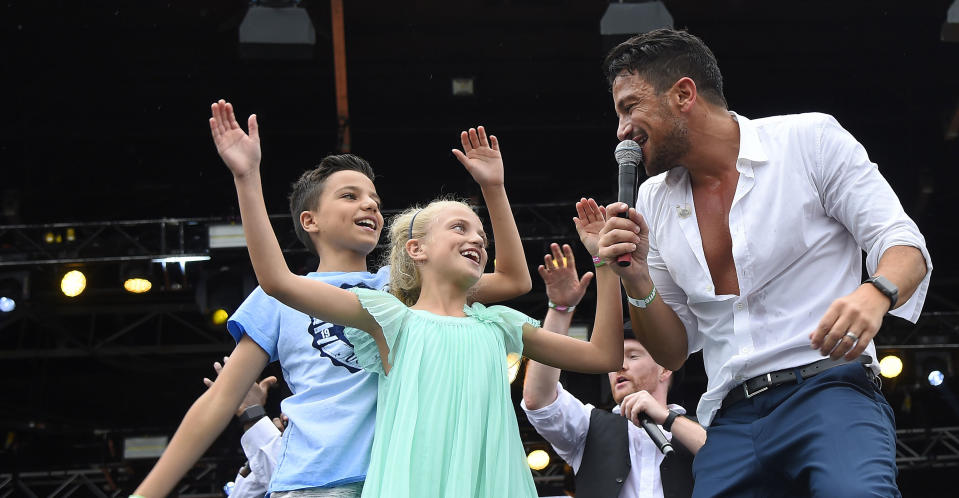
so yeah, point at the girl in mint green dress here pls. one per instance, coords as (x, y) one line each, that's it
(445, 426)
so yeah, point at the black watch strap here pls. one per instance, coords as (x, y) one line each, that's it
(888, 288)
(668, 423)
(252, 414)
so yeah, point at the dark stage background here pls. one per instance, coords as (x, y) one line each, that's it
(105, 108)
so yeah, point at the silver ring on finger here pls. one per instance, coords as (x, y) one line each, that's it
(851, 336)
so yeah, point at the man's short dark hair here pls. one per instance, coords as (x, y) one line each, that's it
(662, 57)
(305, 192)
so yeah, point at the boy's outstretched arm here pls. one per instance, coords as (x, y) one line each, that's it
(565, 290)
(510, 277)
(206, 419)
(604, 351)
(241, 153)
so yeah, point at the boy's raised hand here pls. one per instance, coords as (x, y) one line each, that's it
(590, 219)
(563, 286)
(481, 157)
(240, 152)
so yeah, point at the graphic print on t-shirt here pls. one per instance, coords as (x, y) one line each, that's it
(332, 343)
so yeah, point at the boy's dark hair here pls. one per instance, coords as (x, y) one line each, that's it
(662, 57)
(305, 192)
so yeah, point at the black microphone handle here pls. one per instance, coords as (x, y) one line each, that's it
(656, 435)
(627, 194)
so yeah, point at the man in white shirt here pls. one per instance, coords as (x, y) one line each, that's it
(577, 431)
(746, 242)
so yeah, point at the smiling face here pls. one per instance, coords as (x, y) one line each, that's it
(639, 372)
(645, 117)
(455, 244)
(347, 215)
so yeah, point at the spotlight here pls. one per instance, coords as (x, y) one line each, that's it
(890, 366)
(13, 287)
(220, 316)
(136, 277)
(537, 459)
(73, 283)
(277, 29)
(935, 378)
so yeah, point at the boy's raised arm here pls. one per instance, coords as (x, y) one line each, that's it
(510, 277)
(241, 153)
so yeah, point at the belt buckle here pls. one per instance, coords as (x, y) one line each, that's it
(769, 381)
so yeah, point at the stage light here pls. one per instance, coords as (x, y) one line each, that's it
(14, 286)
(220, 316)
(463, 87)
(49, 238)
(935, 378)
(73, 283)
(186, 258)
(278, 29)
(556, 262)
(136, 277)
(890, 366)
(634, 18)
(537, 459)
(137, 285)
(513, 361)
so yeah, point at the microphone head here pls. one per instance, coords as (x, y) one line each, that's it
(628, 152)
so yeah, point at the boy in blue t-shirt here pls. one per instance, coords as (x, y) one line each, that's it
(336, 214)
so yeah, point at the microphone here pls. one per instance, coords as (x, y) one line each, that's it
(665, 447)
(628, 155)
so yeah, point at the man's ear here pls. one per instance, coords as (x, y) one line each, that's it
(414, 248)
(665, 375)
(684, 94)
(308, 221)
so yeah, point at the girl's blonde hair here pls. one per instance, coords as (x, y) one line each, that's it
(405, 281)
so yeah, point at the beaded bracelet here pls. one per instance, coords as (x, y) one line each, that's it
(597, 261)
(560, 307)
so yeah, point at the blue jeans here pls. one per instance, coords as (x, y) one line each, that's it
(831, 435)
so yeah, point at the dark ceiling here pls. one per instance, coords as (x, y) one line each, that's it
(106, 106)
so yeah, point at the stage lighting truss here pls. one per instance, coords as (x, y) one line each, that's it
(935, 447)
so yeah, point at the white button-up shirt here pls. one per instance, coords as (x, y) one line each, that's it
(261, 444)
(564, 423)
(807, 203)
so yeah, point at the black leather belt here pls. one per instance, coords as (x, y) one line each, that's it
(764, 382)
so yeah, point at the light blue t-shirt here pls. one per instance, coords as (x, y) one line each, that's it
(333, 407)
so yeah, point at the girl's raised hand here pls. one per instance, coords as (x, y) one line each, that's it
(563, 286)
(240, 152)
(481, 157)
(590, 219)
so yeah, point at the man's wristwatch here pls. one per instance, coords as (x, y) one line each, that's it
(668, 423)
(251, 415)
(888, 288)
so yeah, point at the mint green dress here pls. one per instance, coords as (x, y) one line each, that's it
(445, 425)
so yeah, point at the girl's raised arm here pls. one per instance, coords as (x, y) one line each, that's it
(510, 277)
(241, 153)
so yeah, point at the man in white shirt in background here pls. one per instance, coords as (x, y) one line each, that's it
(261, 439)
(592, 441)
(747, 242)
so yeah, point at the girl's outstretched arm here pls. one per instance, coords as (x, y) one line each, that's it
(604, 351)
(510, 277)
(565, 289)
(206, 419)
(241, 153)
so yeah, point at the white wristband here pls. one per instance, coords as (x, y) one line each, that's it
(642, 303)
